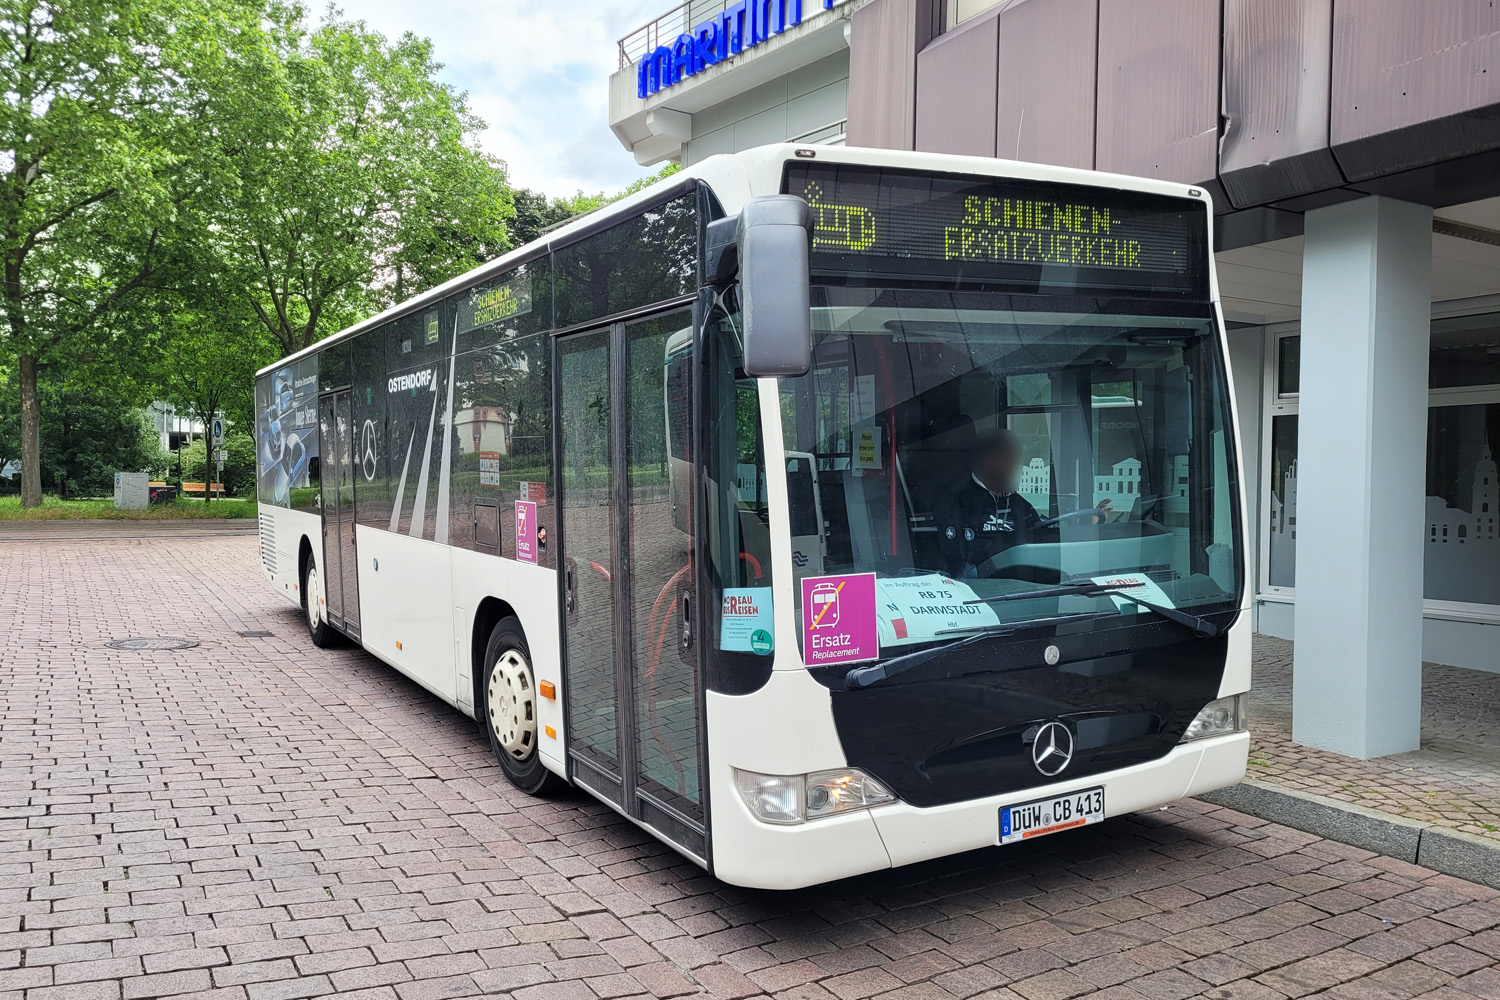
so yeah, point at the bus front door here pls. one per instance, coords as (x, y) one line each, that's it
(336, 491)
(631, 680)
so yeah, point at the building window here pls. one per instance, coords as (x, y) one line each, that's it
(1282, 555)
(1462, 439)
(960, 11)
(1288, 366)
(1463, 442)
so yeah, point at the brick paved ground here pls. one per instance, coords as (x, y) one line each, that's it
(255, 819)
(1453, 780)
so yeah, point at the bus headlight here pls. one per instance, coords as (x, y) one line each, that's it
(1218, 718)
(797, 798)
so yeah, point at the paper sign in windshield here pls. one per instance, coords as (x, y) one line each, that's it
(924, 608)
(746, 621)
(1135, 585)
(839, 623)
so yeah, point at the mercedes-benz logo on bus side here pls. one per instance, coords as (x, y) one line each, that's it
(367, 451)
(1052, 750)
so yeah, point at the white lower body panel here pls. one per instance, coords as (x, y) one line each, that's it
(759, 855)
(912, 834)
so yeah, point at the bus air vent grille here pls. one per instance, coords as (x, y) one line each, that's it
(268, 543)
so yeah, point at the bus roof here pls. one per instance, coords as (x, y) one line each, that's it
(737, 177)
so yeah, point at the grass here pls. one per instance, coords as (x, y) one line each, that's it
(183, 508)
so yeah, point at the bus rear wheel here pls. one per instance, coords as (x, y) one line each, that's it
(509, 712)
(323, 635)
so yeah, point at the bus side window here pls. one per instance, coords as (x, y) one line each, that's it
(738, 541)
(679, 382)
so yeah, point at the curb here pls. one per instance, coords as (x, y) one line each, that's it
(1451, 852)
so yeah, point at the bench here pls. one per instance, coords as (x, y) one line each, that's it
(198, 488)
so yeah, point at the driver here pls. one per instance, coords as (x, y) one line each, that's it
(986, 515)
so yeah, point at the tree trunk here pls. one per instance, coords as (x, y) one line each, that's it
(31, 435)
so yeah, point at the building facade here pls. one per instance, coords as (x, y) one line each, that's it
(1353, 151)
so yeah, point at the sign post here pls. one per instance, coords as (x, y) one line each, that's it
(216, 434)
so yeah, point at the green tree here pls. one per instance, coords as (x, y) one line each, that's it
(535, 214)
(355, 179)
(10, 421)
(88, 435)
(97, 136)
(239, 463)
(209, 362)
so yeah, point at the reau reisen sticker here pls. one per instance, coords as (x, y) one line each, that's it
(839, 623)
(746, 621)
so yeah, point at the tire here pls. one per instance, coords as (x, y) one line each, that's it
(509, 712)
(323, 634)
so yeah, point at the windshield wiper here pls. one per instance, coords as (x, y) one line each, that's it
(863, 677)
(1201, 627)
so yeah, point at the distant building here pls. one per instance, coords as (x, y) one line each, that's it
(172, 429)
(1123, 481)
(483, 428)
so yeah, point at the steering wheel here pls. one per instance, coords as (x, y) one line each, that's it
(1073, 515)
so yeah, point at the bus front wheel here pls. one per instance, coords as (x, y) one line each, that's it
(510, 710)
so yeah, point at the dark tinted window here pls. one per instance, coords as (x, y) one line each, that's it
(286, 435)
(370, 450)
(1288, 365)
(414, 445)
(515, 304)
(502, 426)
(419, 338)
(646, 259)
(333, 366)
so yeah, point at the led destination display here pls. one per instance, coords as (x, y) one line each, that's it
(1050, 236)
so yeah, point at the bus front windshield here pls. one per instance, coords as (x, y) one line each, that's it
(1001, 460)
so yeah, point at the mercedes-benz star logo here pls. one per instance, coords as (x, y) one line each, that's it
(1053, 748)
(367, 451)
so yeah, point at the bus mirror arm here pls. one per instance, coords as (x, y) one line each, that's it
(773, 244)
(721, 258)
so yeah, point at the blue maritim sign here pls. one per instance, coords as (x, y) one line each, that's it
(741, 26)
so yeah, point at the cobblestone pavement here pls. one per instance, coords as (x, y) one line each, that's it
(255, 819)
(1453, 780)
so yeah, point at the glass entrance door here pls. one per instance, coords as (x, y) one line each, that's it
(340, 561)
(628, 483)
(589, 555)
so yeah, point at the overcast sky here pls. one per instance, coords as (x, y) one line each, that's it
(537, 72)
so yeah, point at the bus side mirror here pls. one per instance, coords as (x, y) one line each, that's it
(773, 241)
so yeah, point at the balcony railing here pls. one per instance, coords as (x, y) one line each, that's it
(680, 20)
(666, 28)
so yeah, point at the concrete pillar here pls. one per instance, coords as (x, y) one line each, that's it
(1361, 480)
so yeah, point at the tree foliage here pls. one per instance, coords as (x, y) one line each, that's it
(97, 140)
(192, 188)
(349, 177)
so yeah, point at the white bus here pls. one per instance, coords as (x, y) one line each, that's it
(820, 510)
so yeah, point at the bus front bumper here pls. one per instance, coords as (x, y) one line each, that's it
(759, 855)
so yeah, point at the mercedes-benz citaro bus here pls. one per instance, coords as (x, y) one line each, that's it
(820, 510)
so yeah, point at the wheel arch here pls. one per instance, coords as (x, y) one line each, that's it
(304, 556)
(491, 612)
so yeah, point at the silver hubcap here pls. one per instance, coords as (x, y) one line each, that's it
(512, 705)
(314, 599)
